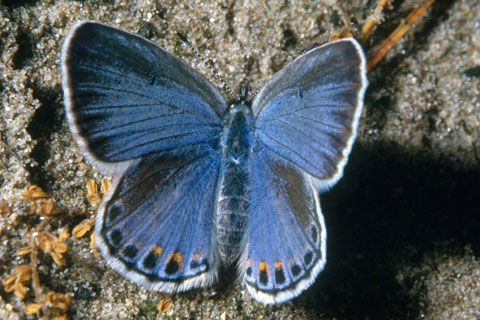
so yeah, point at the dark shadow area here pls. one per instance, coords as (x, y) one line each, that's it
(289, 38)
(389, 210)
(25, 50)
(19, 3)
(46, 120)
(98, 2)
(473, 72)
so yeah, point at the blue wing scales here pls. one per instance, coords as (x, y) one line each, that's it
(309, 111)
(287, 236)
(127, 98)
(306, 121)
(141, 113)
(155, 227)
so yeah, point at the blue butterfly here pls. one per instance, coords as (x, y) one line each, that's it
(199, 184)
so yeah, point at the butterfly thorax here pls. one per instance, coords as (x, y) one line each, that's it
(231, 218)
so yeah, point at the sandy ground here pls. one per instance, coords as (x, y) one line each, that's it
(403, 223)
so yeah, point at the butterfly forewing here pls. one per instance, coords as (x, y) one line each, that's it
(308, 112)
(127, 98)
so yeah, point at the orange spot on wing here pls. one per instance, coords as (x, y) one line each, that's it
(157, 250)
(262, 265)
(277, 265)
(197, 256)
(177, 257)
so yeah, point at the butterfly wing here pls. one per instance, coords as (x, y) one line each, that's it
(287, 236)
(306, 119)
(126, 97)
(308, 112)
(144, 115)
(155, 228)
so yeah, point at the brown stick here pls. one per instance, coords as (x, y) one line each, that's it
(373, 20)
(398, 33)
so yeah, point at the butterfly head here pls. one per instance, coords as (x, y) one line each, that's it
(242, 102)
(241, 106)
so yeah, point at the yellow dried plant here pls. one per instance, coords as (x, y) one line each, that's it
(54, 246)
(16, 281)
(164, 304)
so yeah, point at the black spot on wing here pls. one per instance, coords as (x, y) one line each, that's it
(130, 251)
(116, 237)
(279, 276)
(172, 267)
(296, 270)
(314, 234)
(150, 261)
(174, 263)
(263, 277)
(308, 258)
(114, 212)
(196, 264)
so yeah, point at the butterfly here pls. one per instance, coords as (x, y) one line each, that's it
(198, 184)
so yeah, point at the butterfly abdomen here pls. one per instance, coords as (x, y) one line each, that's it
(231, 215)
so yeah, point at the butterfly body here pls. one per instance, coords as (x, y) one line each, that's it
(198, 185)
(231, 218)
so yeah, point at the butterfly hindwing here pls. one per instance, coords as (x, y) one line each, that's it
(126, 97)
(308, 112)
(155, 228)
(286, 237)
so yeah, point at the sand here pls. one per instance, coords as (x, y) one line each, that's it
(403, 223)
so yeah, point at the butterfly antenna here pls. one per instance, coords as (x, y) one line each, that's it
(253, 95)
(208, 64)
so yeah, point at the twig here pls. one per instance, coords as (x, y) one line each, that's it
(398, 33)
